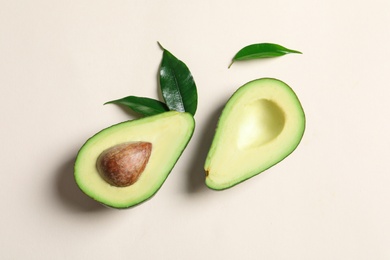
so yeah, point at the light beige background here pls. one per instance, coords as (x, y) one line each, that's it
(61, 60)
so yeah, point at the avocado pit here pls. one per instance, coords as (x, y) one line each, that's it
(122, 165)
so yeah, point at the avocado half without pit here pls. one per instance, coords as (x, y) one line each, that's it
(126, 164)
(261, 124)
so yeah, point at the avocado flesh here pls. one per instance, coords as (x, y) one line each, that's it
(261, 124)
(169, 134)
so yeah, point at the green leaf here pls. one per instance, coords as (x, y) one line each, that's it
(260, 51)
(141, 105)
(177, 84)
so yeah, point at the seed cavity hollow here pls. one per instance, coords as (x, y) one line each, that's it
(261, 122)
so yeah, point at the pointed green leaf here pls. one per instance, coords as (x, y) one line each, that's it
(177, 84)
(141, 105)
(260, 51)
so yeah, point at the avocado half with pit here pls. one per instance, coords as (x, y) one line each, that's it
(261, 124)
(126, 164)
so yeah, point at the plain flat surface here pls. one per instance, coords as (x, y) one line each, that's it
(61, 60)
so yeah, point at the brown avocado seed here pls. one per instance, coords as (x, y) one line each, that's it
(121, 165)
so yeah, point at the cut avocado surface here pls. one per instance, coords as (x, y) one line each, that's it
(261, 124)
(168, 133)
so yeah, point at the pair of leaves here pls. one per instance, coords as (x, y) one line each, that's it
(177, 86)
(260, 51)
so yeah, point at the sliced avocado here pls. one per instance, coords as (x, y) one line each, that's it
(261, 124)
(167, 133)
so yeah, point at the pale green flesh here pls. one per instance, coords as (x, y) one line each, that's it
(262, 123)
(169, 134)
